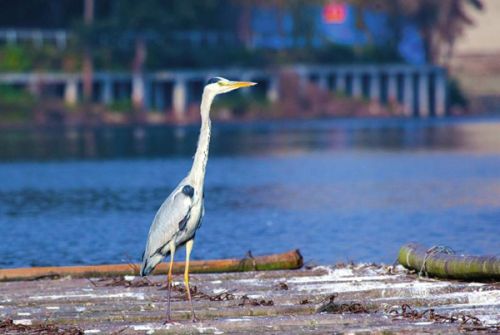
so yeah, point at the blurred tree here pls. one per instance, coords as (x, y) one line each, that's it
(130, 27)
(301, 11)
(440, 23)
(88, 65)
(39, 13)
(127, 34)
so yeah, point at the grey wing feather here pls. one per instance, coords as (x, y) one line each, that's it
(165, 226)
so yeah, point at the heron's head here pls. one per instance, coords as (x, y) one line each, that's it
(218, 85)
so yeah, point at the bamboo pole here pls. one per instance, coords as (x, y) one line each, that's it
(288, 260)
(442, 265)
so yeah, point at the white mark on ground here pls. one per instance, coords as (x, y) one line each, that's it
(129, 278)
(238, 320)
(203, 330)
(342, 272)
(138, 296)
(476, 298)
(23, 314)
(150, 328)
(484, 297)
(413, 288)
(219, 290)
(343, 275)
(91, 331)
(249, 281)
(80, 309)
(25, 322)
(216, 282)
(489, 319)
(52, 307)
(335, 278)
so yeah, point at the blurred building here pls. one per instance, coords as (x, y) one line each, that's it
(482, 37)
(334, 23)
(476, 60)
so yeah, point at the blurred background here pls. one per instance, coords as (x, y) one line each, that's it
(374, 123)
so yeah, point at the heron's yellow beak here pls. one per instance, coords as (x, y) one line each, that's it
(239, 84)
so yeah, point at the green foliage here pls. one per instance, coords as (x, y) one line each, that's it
(123, 106)
(239, 103)
(15, 104)
(160, 56)
(15, 58)
(23, 58)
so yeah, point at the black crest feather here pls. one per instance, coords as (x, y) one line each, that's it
(213, 80)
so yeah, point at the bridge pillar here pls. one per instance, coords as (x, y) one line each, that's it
(71, 91)
(244, 77)
(272, 93)
(440, 88)
(37, 39)
(340, 82)
(138, 91)
(408, 94)
(374, 86)
(61, 39)
(179, 98)
(423, 95)
(392, 87)
(107, 91)
(357, 81)
(323, 82)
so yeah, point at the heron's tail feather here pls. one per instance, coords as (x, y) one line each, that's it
(149, 263)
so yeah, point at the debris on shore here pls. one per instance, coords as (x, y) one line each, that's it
(320, 299)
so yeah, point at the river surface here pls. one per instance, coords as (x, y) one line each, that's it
(339, 190)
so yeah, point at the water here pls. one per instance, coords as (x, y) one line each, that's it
(339, 190)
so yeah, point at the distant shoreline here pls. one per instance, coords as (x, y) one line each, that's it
(365, 120)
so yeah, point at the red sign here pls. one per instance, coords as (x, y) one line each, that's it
(334, 13)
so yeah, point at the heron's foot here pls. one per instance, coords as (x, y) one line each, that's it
(194, 319)
(170, 322)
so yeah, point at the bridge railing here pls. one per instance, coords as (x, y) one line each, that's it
(421, 90)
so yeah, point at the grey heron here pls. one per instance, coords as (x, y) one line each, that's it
(180, 215)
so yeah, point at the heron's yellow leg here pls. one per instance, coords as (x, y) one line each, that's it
(169, 278)
(189, 247)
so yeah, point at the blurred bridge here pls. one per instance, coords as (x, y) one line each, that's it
(421, 90)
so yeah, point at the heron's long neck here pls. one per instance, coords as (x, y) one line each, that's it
(201, 155)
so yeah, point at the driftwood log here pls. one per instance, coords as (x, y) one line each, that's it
(288, 260)
(444, 265)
